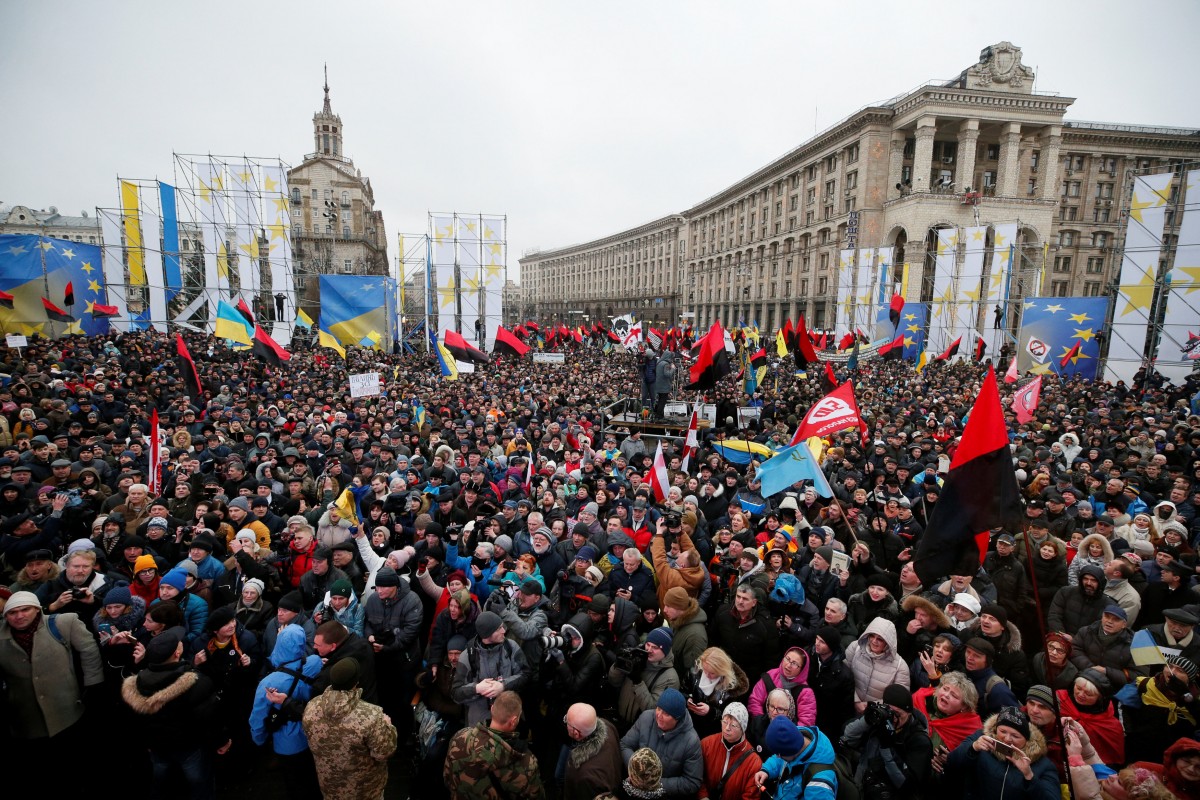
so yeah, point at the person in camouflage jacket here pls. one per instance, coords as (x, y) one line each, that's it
(487, 761)
(351, 740)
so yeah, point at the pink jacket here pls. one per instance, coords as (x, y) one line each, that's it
(806, 705)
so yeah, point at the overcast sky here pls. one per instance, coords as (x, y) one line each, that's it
(575, 120)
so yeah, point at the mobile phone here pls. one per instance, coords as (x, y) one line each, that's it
(1004, 748)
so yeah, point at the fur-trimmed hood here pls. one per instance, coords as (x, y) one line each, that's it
(1104, 544)
(591, 746)
(133, 691)
(1035, 746)
(914, 601)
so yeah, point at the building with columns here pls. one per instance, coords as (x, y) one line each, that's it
(335, 226)
(891, 174)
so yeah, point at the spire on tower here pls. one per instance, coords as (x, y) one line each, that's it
(327, 108)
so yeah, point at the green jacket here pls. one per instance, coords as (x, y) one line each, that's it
(485, 764)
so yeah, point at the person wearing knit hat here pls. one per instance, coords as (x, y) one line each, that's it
(645, 774)
(662, 638)
(672, 703)
(175, 579)
(667, 728)
(344, 675)
(118, 595)
(503, 545)
(486, 624)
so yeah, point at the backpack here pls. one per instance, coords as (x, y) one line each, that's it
(76, 657)
(848, 787)
(795, 691)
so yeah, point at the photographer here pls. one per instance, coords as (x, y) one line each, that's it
(893, 746)
(643, 674)
(686, 570)
(490, 665)
(576, 665)
(392, 625)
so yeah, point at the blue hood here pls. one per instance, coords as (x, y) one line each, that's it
(788, 589)
(289, 646)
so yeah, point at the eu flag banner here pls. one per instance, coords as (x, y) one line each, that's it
(913, 321)
(359, 309)
(1050, 329)
(34, 267)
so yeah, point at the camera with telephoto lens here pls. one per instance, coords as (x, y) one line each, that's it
(552, 641)
(631, 659)
(880, 715)
(674, 520)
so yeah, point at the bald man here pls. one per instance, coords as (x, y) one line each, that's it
(592, 764)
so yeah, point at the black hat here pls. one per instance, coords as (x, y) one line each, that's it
(1181, 615)
(163, 646)
(898, 696)
(322, 553)
(219, 617)
(343, 676)
(292, 601)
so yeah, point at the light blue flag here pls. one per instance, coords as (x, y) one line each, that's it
(790, 465)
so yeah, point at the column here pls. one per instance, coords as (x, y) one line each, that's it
(968, 144)
(923, 155)
(895, 164)
(1010, 160)
(1048, 162)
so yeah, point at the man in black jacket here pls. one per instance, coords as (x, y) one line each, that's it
(894, 745)
(176, 713)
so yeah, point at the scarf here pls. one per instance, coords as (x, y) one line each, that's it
(25, 638)
(1180, 643)
(707, 685)
(1153, 696)
(213, 645)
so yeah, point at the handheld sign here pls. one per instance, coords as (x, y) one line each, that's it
(365, 384)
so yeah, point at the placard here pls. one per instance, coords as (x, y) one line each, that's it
(675, 408)
(365, 384)
(747, 413)
(16, 340)
(549, 358)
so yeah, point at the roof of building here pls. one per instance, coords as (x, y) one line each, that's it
(49, 218)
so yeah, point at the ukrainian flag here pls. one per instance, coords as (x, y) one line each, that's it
(303, 320)
(327, 339)
(418, 412)
(448, 364)
(232, 325)
(741, 451)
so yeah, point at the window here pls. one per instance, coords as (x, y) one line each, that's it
(812, 172)
(1074, 162)
(314, 196)
(831, 163)
(989, 179)
(296, 196)
(787, 288)
(1034, 158)
(1068, 213)
(1062, 263)
(1104, 215)
(329, 230)
(187, 244)
(347, 266)
(805, 266)
(1104, 190)
(1066, 239)
(1091, 288)
(1031, 187)
(1099, 240)
(808, 218)
(823, 236)
(804, 285)
(830, 188)
(1095, 266)
(1059, 288)
(1109, 165)
(345, 199)
(852, 153)
(992, 152)
(852, 180)
(824, 263)
(850, 204)
(1071, 188)
(822, 285)
(345, 231)
(329, 194)
(811, 196)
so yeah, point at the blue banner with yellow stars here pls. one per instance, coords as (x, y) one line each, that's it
(1050, 328)
(912, 324)
(34, 267)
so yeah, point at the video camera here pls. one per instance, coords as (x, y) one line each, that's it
(879, 715)
(631, 659)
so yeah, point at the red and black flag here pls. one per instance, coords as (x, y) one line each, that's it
(846, 342)
(820, 343)
(893, 349)
(980, 493)
(267, 348)
(6, 300)
(803, 351)
(831, 381)
(101, 312)
(712, 360)
(759, 359)
(895, 309)
(520, 332)
(187, 367)
(69, 294)
(980, 349)
(951, 351)
(55, 313)
(1066, 359)
(508, 344)
(463, 351)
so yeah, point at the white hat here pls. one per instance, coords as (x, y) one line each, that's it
(246, 534)
(22, 600)
(967, 601)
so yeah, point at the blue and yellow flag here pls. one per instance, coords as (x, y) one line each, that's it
(741, 451)
(303, 319)
(418, 412)
(912, 326)
(33, 267)
(447, 363)
(1050, 329)
(327, 339)
(232, 325)
(359, 309)
(789, 466)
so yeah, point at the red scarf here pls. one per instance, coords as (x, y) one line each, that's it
(1105, 732)
(952, 729)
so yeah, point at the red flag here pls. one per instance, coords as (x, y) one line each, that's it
(509, 344)
(803, 353)
(712, 361)
(893, 349)
(1074, 351)
(822, 342)
(691, 443)
(895, 309)
(55, 313)
(69, 294)
(951, 351)
(980, 348)
(100, 312)
(759, 359)
(789, 335)
(658, 478)
(187, 367)
(830, 378)
(846, 342)
(980, 492)
(6, 299)
(463, 350)
(1025, 400)
(1012, 376)
(267, 348)
(155, 476)
(834, 412)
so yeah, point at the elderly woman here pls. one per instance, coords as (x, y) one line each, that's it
(1089, 702)
(1005, 759)
(949, 709)
(252, 610)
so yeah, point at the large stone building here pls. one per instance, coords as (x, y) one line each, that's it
(889, 175)
(335, 226)
(49, 222)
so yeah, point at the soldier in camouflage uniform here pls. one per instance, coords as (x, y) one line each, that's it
(350, 739)
(489, 762)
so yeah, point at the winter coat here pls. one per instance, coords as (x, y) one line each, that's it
(43, 697)
(755, 643)
(1092, 648)
(806, 700)
(579, 678)
(352, 616)
(874, 673)
(899, 763)
(401, 614)
(351, 741)
(594, 765)
(1082, 559)
(195, 618)
(177, 709)
(1071, 609)
(690, 636)
(485, 764)
(986, 776)
(525, 626)
(832, 683)
(445, 628)
(1008, 575)
(503, 661)
(909, 644)
(861, 610)
(678, 749)
(1010, 662)
(717, 700)
(690, 579)
(790, 774)
(289, 653)
(634, 698)
(1051, 576)
(640, 583)
(719, 757)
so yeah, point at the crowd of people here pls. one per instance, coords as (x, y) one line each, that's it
(474, 583)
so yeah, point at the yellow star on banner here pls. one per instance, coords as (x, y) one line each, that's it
(845, 263)
(218, 183)
(1140, 294)
(977, 236)
(440, 234)
(1164, 194)
(1087, 334)
(1194, 274)
(1136, 206)
(91, 307)
(495, 250)
(268, 184)
(471, 284)
(88, 268)
(281, 204)
(909, 341)
(910, 317)
(94, 286)
(46, 245)
(492, 271)
(1080, 318)
(1075, 358)
(250, 248)
(446, 295)
(1054, 309)
(68, 253)
(488, 233)
(278, 231)
(1040, 369)
(16, 250)
(222, 261)
(245, 177)
(469, 226)
(972, 295)
(913, 328)
(999, 241)
(74, 329)
(205, 191)
(30, 330)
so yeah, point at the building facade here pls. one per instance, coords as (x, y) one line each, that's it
(49, 222)
(335, 226)
(766, 248)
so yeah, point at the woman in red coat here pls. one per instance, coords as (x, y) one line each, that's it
(729, 757)
(1089, 702)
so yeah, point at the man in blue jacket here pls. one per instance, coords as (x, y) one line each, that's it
(796, 748)
(291, 684)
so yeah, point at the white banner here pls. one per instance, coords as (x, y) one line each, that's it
(276, 207)
(495, 255)
(1139, 272)
(1182, 318)
(866, 288)
(1004, 255)
(549, 358)
(941, 309)
(970, 284)
(114, 266)
(844, 318)
(365, 384)
(445, 290)
(466, 240)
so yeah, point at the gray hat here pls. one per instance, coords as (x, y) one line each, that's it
(593, 509)
(240, 502)
(60, 462)
(487, 623)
